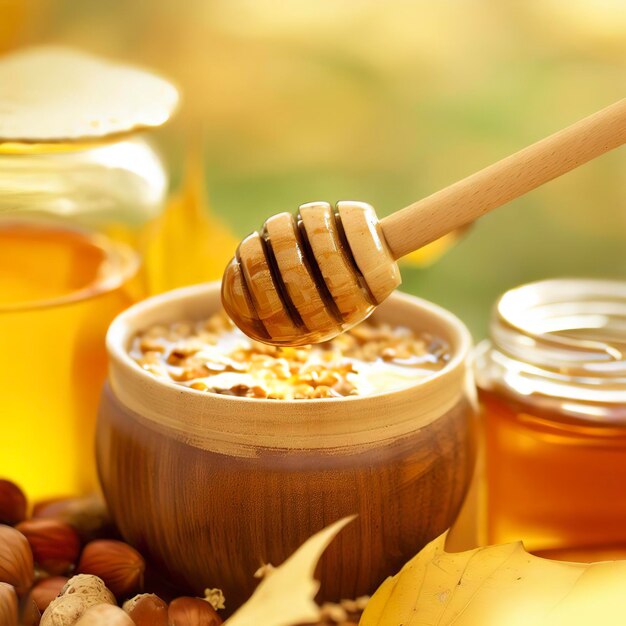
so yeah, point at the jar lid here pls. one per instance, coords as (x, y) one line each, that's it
(61, 97)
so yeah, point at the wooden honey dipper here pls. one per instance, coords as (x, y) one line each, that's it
(305, 280)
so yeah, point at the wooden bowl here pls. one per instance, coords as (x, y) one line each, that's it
(210, 487)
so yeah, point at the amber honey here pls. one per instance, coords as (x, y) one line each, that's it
(558, 484)
(553, 392)
(59, 290)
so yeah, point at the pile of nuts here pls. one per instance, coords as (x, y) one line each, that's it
(61, 567)
(64, 538)
(213, 355)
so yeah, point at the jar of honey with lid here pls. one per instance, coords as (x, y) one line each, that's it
(80, 190)
(552, 380)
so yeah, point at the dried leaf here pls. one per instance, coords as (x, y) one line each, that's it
(286, 595)
(498, 586)
(52, 94)
(190, 232)
(432, 252)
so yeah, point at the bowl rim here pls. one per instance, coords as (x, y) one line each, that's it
(246, 426)
(118, 336)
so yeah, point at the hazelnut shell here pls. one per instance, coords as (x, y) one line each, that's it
(55, 544)
(88, 515)
(16, 560)
(8, 605)
(12, 503)
(147, 609)
(186, 611)
(30, 615)
(46, 590)
(119, 565)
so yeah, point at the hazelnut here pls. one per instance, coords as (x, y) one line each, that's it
(187, 611)
(119, 565)
(46, 590)
(30, 615)
(16, 560)
(8, 605)
(105, 615)
(78, 594)
(12, 503)
(55, 544)
(147, 609)
(88, 516)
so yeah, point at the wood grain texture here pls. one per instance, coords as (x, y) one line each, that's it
(369, 248)
(338, 273)
(211, 486)
(465, 201)
(262, 287)
(305, 281)
(297, 276)
(210, 520)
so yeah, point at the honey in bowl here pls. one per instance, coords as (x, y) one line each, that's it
(214, 355)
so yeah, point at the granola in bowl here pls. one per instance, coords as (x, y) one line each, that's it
(213, 355)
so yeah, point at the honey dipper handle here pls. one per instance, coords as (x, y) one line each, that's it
(470, 198)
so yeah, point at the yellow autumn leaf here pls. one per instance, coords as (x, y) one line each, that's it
(286, 595)
(188, 244)
(433, 251)
(498, 586)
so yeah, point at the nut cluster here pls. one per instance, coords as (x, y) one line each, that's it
(213, 355)
(71, 538)
(60, 567)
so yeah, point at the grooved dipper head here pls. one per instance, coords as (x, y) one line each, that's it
(306, 279)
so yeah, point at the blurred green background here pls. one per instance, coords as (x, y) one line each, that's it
(384, 102)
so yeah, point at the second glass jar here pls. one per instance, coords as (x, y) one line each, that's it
(552, 381)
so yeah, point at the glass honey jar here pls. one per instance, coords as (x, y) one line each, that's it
(73, 225)
(76, 214)
(552, 383)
